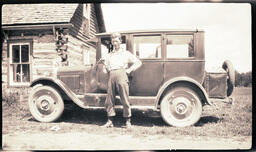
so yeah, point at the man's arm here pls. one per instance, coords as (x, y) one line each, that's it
(136, 63)
(103, 61)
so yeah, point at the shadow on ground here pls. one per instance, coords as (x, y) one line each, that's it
(99, 117)
(75, 114)
(207, 119)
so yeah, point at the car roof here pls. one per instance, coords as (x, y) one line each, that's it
(151, 31)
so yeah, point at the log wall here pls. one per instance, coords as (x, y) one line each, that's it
(77, 45)
(4, 62)
(44, 55)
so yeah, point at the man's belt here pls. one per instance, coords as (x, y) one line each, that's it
(117, 69)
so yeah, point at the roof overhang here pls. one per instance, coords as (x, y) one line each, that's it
(36, 26)
(153, 31)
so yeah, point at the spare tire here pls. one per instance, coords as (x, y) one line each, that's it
(227, 66)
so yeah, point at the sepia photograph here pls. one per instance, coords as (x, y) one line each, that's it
(126, 76)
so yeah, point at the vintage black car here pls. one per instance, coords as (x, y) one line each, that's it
(172, 79)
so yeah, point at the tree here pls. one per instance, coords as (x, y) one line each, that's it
(243, 79)
(238, 78)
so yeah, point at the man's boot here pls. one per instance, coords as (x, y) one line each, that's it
(109, 123)
(128, 123)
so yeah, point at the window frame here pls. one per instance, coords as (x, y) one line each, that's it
(149, 34)
(86, 18)
(181, 58)
(10, 43)
(86, 54)
(86, 10)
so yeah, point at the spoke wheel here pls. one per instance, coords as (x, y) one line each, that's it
(45, 104)
(181, 107)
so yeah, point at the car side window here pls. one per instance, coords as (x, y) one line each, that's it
(179, 46)
(147, 47)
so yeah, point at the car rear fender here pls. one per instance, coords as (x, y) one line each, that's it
(184, 80)
(59, 86)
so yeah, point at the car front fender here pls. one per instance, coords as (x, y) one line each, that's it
(185, 80)
(61, 87)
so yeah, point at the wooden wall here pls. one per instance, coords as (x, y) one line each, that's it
(77, 38)
(94, 28)
(4, 62)
(44, 55)
(74, 51)
(77, 21)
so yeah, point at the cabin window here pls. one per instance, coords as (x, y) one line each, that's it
(86, 10)
(86, 19)
(179, 46)
(147, 47)
(89, 55)
(86, 57)
(19, 64)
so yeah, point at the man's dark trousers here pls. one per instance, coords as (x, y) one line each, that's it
(118, 83)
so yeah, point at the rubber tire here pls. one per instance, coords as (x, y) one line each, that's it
(58, 110)
(169, 118)
(228, 66)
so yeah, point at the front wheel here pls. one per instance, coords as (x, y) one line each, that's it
(45, 104)
(181, 107)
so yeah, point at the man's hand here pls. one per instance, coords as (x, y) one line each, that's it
(105, 69)
(128, 71)
(101, 61)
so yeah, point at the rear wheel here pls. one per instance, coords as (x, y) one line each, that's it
(181, 107)
(45, 104)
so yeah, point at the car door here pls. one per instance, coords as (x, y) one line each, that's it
(146, 80)
(184, 56)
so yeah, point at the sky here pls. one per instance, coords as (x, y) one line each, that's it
(227, 26)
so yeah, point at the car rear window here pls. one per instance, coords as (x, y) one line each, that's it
(179, 46)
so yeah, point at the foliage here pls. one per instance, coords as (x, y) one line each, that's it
(10, 96)
(13, 95)
(14, 102)
(243, 79)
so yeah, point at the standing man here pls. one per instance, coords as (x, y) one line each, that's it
(116, 63)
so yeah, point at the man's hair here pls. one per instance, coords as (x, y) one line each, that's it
(115, 35)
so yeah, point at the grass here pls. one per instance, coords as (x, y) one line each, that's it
(13, 95)
(235, 119)
(224, 120)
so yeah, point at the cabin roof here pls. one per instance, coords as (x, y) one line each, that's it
(37, 13)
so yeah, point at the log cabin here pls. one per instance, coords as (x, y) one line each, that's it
(39, 38)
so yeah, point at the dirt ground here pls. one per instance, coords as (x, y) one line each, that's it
(88, 141)
(74, 132)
